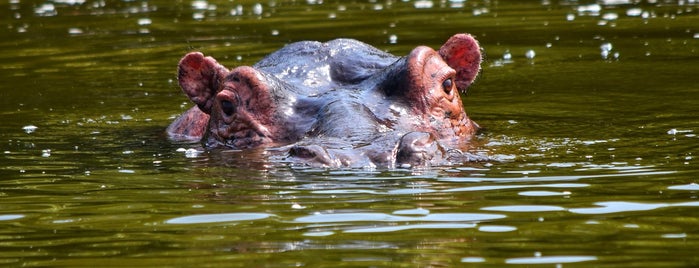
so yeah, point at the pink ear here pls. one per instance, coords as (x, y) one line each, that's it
(462, 53)
(199, 78)
(191, 125)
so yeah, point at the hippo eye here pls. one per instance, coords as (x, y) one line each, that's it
(448, 85)
(227, 107)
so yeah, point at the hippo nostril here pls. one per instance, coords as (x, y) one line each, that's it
(448, 86)
(227, 107)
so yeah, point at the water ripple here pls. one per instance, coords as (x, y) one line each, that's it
(550, 259)
(382, 217)
(623, 172)
(9, 217)
(524, 208)
(621, 206)
(544, 193)
(385, 229)
(501, 187)
(496, 228)
(685, 187)
(223, 217)
(417, 211)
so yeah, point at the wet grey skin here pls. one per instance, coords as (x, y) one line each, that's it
(341, 103)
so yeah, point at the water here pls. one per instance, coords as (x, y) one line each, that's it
(590, 109)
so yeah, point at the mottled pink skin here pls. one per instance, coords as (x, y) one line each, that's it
(439, 103)
(253, 117)
(460, 50)
(327, 97)
(191, 125)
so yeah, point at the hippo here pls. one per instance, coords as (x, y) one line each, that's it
(341, 103)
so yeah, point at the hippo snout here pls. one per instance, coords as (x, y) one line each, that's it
(418, 149)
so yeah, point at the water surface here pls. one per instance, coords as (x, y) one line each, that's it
(590, 111)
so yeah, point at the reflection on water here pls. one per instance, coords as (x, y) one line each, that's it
(616, 207)
(226, 217)
(349, 217)
(550, 259)
(589, 109)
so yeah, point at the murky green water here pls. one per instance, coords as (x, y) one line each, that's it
(596, 130)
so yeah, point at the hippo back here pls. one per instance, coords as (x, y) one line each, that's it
(320, 67)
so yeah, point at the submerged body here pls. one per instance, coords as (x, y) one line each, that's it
(339, 103)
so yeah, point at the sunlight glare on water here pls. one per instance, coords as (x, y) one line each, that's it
(214, 218)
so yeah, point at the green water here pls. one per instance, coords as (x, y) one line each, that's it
(597, 156)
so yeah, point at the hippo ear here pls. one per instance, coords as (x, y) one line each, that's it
(199, 78)
(462, 53)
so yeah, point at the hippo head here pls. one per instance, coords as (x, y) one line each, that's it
(244, 104)
(336, 103)
(409, 113)
(424, 88)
